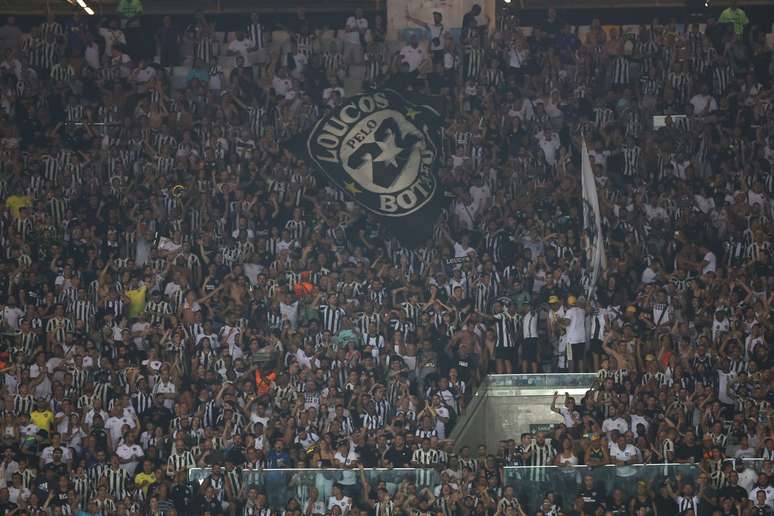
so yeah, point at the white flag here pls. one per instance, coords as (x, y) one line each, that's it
(592, 222)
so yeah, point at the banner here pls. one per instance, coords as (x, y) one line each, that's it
(592, 223)
(382, 150)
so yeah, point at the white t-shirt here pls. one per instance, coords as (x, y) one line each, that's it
(412, 56)
(440, 426)
(648, 275)
(348, 477)
(549, 146)
(569, 422)
(723, 379)
(610, 424)
(576, 331)
(166, 388)
(466, 214)
(756, 198)
(345, 503)
(126, 451)
(111, 38)
(628, 453)
(12, 316)
(241, 47)
(290, 312)
(636, 420)
(462, 252)
(48, 454)
(769, 495)
(14, 494)
(355, 23)
(699, 102)
(114, 425)
(88, 419)
(145, 74)
(91, 55)
(480, 194)
(747, 479)
(712, 263)
(281, 85)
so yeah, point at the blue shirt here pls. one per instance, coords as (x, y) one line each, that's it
(197, 73)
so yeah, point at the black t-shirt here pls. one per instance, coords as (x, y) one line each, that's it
(368, 456)
(683, 451)
(617, 508)
(211, 506)
(160, 416)
(60, 470)
(181, 496)
(399, 458)
(664, 505)
(552, 27)
(592, 498)
(736, 492)
(42, 487)
(7, 507)
(101, 436)
(465, 366)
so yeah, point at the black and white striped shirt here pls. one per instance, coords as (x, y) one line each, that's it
(620, 70)
(722, 77)
(474, 61)
(631, 154)
(22, 404)
(332, 318)
(504, 330)
(539, 456)
(181, 460)
(684, 504)
(118, 482)
(255, 32)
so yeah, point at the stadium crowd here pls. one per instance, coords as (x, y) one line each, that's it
(178, 291)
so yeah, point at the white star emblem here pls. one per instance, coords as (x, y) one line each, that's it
(390, 151)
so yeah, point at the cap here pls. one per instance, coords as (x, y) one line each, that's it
(631, 309)
(553, 299)
(571, 300)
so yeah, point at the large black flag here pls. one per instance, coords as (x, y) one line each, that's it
(382, 149)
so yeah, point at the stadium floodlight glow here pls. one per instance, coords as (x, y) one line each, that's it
(507, 1)
(83, 5)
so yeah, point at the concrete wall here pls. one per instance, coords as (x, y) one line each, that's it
(452, 11)
(497, 414)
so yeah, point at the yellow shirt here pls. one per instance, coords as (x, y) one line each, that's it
(145, 480)
(735, 16)
(136, 300)
(42, 419)
(17, 202)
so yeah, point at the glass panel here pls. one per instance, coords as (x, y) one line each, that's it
(281, 485)
(532, 484)
(548, 380)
